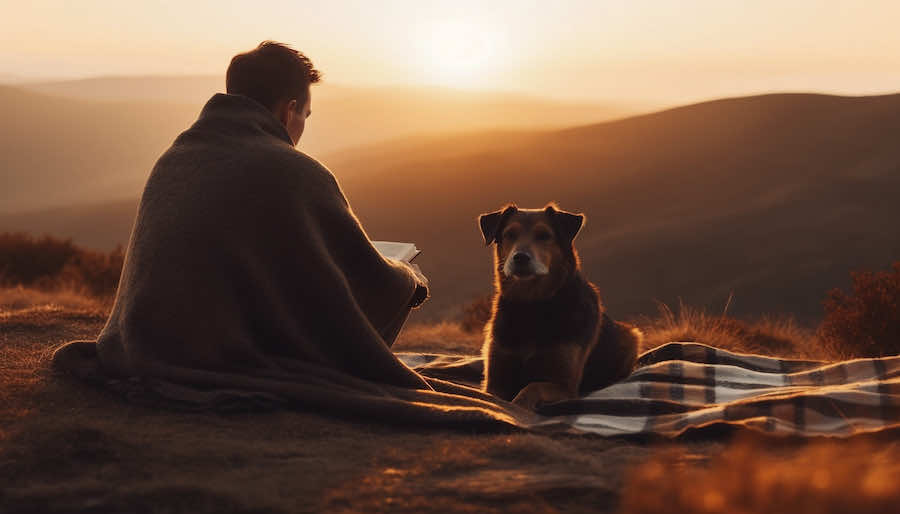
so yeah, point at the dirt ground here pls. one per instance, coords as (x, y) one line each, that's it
(65, 447)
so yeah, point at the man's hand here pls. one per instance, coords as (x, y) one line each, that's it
(421, 293)
(421, 279)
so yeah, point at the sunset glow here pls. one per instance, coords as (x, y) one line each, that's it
(436, 256)
(661, 50)
(461, 53)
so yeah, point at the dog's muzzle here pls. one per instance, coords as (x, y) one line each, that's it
(521, 264)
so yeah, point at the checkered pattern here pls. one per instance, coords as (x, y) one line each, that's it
(682, 386)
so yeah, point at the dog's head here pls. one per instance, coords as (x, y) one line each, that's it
(534, 252)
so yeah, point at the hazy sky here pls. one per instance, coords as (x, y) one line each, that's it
(664, 50)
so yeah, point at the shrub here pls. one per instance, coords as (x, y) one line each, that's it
(95, 272)
(476, 313)
(865, 322)
(50, 264)
(25, 260)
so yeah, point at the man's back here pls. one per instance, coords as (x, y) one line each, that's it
(245, 252)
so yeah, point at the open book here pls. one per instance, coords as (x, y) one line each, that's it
(401, 251)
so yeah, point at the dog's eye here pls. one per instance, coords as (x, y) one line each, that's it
(542, 236)
(509, 235)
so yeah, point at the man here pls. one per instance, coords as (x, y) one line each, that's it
(245, 258)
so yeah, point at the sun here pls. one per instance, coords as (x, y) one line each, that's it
(460, 53)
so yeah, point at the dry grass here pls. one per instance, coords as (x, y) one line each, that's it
(22, 298)
(781, 337)
(27, 336)
(444, 337)
(65, 447)
(757, 476)
(58, 266)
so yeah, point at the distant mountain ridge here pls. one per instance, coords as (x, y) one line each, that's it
(86, 141)
(774, 198)
(771, 198)
(59, 151)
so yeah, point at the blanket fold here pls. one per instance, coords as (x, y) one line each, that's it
(680, 387)
(322, 390)
(677, 388)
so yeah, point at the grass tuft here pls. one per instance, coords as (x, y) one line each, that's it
(13, 300)
(781, 337)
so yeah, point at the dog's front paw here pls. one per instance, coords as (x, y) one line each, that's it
(536, 394)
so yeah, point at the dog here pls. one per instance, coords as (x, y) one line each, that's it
(548, 338)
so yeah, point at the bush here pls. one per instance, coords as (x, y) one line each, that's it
(25, 260)
(476, 313)
(866, 322)
(49, 264)
(96, 273)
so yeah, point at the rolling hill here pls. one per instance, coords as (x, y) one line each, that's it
(771, 199)
(350, 116)
(59, 151)
(377, 112)
(91, 140)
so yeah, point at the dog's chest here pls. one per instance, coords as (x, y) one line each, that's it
(530, 328)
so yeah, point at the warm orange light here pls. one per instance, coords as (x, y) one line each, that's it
(460, 53)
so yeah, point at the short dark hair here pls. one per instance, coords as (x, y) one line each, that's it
(271, 73)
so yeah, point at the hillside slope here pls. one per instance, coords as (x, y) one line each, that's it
(100, 226)
(772, 198)
(94, 140)
(58, 151)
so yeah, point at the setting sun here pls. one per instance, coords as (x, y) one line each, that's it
(460, 53)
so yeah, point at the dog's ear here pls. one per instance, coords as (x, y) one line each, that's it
(567, 224)
(492, 222)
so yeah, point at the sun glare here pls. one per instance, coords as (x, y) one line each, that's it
(460, 53)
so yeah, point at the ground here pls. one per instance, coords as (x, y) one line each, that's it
(65, 447)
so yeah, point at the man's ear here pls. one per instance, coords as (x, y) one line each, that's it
(284, 110)
(567, 224)
(492, 222)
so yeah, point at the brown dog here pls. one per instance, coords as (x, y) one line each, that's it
(548, 338)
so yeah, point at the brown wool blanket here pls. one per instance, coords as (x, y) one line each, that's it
(676, 388)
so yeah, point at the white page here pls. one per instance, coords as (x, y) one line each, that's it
(401, 251)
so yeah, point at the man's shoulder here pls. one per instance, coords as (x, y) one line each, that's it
(303, 167)
(265, 162)
(306, 161)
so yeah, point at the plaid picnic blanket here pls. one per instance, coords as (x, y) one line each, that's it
(682, 386)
